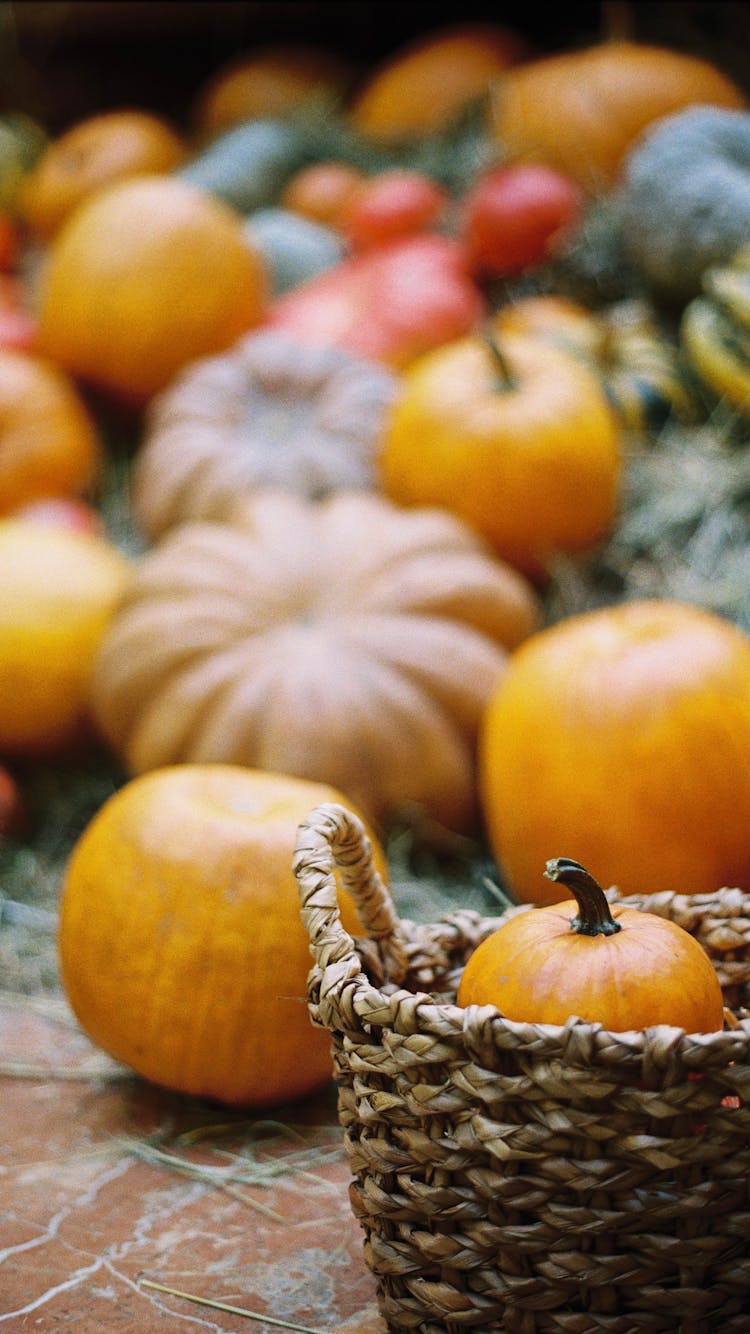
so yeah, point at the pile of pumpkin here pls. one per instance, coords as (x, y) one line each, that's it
(366, 425)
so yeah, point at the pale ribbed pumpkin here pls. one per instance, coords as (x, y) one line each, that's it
(344, 640)
(270, 412)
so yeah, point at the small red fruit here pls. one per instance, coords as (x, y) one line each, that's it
(63, 512)
(390, 206)
(515, 217)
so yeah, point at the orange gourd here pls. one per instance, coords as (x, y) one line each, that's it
(93, 153)
(581, 110)
(145, 276)
(515, 436)
(49, 441)
(271, 80)
(422, 87)
(181, 947)
(622, 967)
(623, 732)
(59, 591)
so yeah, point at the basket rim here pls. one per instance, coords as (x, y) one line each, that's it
(334, 836)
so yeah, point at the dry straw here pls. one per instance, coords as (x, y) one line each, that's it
(522, 1177)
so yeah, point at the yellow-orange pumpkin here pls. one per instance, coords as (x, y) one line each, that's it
(268, 80)
(181, 946)
(515, 436)
(59, 591)
(621, 967)
(623, 733)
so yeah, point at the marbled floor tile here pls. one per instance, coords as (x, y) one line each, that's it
(108, 1185)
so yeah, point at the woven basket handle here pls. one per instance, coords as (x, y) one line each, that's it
(333, 848)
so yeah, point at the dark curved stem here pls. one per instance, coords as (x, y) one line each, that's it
(594, 917)
(505, 377)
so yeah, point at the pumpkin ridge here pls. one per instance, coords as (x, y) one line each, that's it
(423, 650)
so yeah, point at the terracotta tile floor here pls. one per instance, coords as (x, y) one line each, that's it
(108, 1185)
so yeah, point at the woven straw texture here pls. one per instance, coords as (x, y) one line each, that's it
(525, 1177)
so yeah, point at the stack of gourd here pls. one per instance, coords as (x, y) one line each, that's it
(353, 496)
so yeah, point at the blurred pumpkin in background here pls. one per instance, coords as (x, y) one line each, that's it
(391, 303)
(515, 217)
(391, 205)
(145, 276)
(268, 81)
(93, 153)
(581, 110)
(271, 412)
(49, 442)
(60, 588)
(321, 190)
(423, 86)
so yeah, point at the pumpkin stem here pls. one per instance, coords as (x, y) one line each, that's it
(594, 917)
(505, 378)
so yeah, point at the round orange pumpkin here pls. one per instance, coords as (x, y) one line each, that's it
(145, 276)
(421, 87)
(321, 191)
(59, 590)
(581, 110)
(525, 449)
(49, 443)
(621, 967)
(623, 733)
(267, 81)
(91, 154)
(182, 950)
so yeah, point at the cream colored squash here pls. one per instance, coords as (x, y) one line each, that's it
(345, 641)
(270, 412)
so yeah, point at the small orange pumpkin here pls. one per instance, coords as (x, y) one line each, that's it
(49, 441)
(422, 87)
(621, 967)
(269, 80)
(517, 438)
(94, 153)
(59, 591)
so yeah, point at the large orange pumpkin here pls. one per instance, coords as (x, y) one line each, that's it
(621, 967)
(181, 946)
(581, 110)
(145, 276)
(623, 733)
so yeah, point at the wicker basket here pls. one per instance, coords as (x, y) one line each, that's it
(525, 1177)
